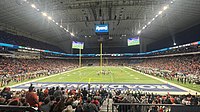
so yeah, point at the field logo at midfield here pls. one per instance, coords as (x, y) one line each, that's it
(108, 86)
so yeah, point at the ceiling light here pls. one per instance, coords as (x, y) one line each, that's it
(156, 15)
(53, 20)
(61, 26)
(143, 28)
(32, 5)
(160, 12)
(57, 23)
(38, 9)
(139, 32)
(174, 43)
(71, 34)
(149, 23)
(153, 19)
(44, 14)
(85, 36)
(172, 2)
(89, 36)
(49, 18)
(165, 7)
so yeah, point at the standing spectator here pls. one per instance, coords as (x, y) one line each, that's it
(32, 98)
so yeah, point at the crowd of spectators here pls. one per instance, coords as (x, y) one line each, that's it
(12, 69)
(55, 99)
(179, 67)
(150, 98)
(26, 42)
(186, 49)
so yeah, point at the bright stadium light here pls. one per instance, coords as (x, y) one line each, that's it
(165, 7)
(44, 14)
(139, 32)
(160, 12)
(174, 43)
(49, 18)
(32, 5)
(156, 15)
(71, 34)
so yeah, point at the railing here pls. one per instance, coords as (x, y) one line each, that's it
(9, 108)
(138, 107)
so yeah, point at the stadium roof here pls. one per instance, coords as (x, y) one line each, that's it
(125, 19)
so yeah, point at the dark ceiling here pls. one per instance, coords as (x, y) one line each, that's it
(125, 18)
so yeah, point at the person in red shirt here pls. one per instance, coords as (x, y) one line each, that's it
(32, 98)
(46, 92)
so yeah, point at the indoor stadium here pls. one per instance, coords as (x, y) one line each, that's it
(99, 55)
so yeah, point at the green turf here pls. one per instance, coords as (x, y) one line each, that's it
(118, 75)
(194, 87)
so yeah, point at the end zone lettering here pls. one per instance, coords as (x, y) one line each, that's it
(108, 86)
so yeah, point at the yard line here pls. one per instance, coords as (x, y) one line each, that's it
(86, 75)
(34, 80)
(166, 82)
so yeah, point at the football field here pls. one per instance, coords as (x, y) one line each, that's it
(91, 74)
(118, 78)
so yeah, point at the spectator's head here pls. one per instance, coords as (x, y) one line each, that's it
(31, 89)
(88, 99)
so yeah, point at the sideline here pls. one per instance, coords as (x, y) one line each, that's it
(166, 82)
(34, 80)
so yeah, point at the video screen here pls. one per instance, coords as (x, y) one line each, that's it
(133, 41)
(103, 28)
(77, 45)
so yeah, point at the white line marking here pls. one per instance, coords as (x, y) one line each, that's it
(34, 80)
(166, 82)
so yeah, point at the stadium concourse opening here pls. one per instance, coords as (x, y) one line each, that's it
(99, 56)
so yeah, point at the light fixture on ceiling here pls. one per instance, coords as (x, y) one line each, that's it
(32, 5)
(165, 7)
(44, 14)
(159, 13)
(71, 34)
(139, 32)
(49, 18)
(174, 43)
